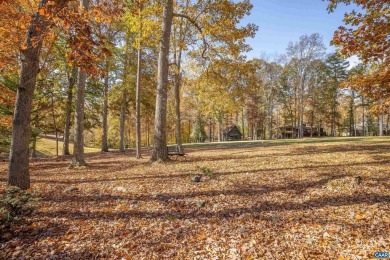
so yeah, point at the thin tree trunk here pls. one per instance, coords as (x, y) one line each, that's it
(381, 125)
(147, 131)
(138, 105)
(105, 111)
(78, 150)
(138, 95)
(177, 102)
(270, 122)
(243, 124)
(122, 122)
(301, 109)
(333, 123)
(34, 148)
(68, 111)
(160, 138)
(311, 123)
(54, 122)
(363, 116)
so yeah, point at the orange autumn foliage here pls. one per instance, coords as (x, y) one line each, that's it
(368, 38)
(7, 101)
(59, 17)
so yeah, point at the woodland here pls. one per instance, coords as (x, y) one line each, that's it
(96, 95)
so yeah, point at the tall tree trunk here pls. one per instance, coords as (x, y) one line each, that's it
(270, 122)
(138, 94)
(380, 125)
(18, 172)
(220, 131)
(243, 124)
(380, 119)
(54, 122)
(333, 123)
(68, 110)
(311, 123)
(147, 130)
(122, 122)
(105, 111)
(34, 147)
(177, 103)
(363, 117)
(351, 115)
(160, 138)
(301, 108)
(138, 105)
(78, 150)
(78, 146)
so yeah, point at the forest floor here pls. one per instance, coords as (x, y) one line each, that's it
(257, 200)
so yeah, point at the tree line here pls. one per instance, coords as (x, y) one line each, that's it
(118, 74)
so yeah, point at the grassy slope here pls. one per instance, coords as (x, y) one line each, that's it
(294, 199)
(47, 147)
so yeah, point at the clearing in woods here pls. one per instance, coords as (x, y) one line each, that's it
(272, 200)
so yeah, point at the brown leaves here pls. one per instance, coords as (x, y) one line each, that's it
(263, 199)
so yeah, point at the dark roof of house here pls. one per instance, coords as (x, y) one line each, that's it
(230, 129)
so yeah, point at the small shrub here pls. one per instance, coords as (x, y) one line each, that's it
(206, 171)
(13, 204)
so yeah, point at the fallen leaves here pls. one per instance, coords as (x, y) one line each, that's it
(264, 203)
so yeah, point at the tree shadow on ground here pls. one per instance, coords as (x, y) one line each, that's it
(216, 173)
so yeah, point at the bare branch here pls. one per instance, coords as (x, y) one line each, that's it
(192, 21)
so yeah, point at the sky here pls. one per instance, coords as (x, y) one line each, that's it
(284, 21)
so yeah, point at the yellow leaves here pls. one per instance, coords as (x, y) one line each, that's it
(359, 217)
(24, 47)
(201, 236)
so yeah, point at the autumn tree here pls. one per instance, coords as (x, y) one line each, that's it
(337, 73)
(366, 35)
(18, 173)
(303, 52)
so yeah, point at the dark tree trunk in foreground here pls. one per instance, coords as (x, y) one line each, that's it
(68, 111)
(105, 113)
(18, 173)
(160, 138)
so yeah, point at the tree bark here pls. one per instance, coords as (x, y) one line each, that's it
(138, 95)
(160, 138)
(54, 122)
(177, 103)
(122, 122)
(68, 111)
(18, 172)
(138, 106)
(243, 124)
(105, 111)
(301, 109)
(78, 146)
(311, 123)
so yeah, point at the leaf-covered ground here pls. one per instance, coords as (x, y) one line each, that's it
(273, 200)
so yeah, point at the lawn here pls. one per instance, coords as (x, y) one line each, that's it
(47, 147)
(259, 200)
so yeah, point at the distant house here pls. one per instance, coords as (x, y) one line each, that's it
(232, 133)
(289, 131)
